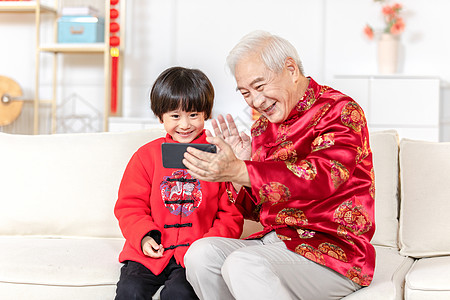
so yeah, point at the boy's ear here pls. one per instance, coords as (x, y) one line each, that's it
(160, 120)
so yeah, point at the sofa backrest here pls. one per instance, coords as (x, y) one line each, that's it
(384, 145)
(64, 184)
(425, 193)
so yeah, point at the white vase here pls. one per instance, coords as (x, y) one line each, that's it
(388, 49)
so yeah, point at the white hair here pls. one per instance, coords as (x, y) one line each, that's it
(273, 51)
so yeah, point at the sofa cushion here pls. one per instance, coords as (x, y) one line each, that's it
(64, 184)
(12, 291)
(428, 278)
(388, 279)
(84, 265)
(425, 194)
(384, 145)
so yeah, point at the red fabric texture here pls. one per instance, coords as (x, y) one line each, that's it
(146, 202)
(312, 181)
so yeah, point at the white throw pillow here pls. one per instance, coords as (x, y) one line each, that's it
(425, 194)
(384, 145)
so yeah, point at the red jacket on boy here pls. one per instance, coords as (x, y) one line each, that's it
(170, 201)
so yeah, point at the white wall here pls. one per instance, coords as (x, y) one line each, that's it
(199, 33)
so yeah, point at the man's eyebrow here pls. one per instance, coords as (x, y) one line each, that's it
(253, 82)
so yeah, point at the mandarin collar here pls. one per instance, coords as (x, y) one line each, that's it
(310, 93)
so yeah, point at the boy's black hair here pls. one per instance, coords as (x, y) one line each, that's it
(187, 89)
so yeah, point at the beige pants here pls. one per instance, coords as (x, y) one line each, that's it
(222, 268)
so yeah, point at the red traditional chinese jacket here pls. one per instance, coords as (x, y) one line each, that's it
(170, 201)
(312, 181)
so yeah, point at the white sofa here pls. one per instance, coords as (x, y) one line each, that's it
(59, 238)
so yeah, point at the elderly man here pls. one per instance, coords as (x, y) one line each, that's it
(308, 179)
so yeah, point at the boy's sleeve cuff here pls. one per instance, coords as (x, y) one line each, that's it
(156, 235)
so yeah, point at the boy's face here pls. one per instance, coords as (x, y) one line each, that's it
(183, 126)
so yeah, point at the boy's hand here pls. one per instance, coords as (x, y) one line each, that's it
(151, 248)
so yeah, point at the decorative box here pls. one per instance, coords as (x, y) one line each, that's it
(81, 29)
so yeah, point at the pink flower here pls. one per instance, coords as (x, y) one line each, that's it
(398, 26)
(368, 31)
(388, 11)
(393, 22)
(397, 7)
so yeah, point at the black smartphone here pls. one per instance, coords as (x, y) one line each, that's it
(173, 153)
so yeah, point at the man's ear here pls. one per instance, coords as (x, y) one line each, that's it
(292, 67)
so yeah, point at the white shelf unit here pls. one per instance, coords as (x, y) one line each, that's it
(36, 8)
(408, 104)
(57, 49)
(24, 6)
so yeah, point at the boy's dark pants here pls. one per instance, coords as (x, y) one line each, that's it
(138, 282)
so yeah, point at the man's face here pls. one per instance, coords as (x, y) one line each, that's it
(271, 94)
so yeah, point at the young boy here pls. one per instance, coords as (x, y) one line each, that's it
(162, 211)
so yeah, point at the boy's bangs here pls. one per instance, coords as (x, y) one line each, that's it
(187, 102)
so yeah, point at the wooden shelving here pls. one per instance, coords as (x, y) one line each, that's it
(36, 8)
(74, 48)
(24, 7)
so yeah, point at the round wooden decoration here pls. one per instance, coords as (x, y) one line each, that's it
(10, 108)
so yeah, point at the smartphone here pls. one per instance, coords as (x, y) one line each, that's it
(173, 153)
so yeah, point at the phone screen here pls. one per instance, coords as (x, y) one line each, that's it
(173, 153)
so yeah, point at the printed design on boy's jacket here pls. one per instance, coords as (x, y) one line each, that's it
(307, 100)
(274, 193)
(304, 169)
(181, 193)
(353, 216)
(323, 141)
(339, 173)
(310, 253)
(356, 275)
(259, 126)
(353, 116)
(318, 115)
(284, 152)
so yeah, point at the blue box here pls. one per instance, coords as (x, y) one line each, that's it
(81, 29)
